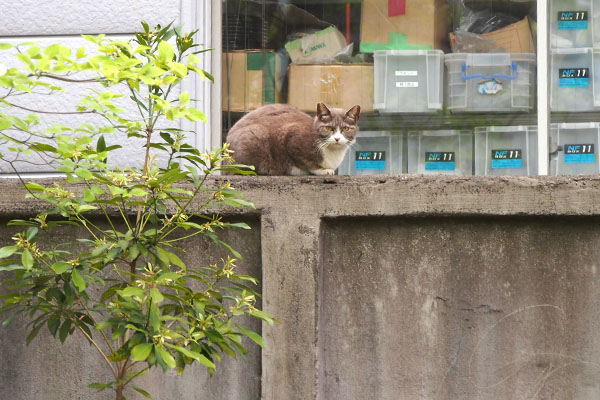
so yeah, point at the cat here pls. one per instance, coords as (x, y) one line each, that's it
(279, 139)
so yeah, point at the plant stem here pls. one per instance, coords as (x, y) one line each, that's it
(93, 342)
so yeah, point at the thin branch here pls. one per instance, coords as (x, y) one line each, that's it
(92, 341)
(50, 112)
(96, 322)
(65, 79)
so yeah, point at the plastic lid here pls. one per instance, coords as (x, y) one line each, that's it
(407, 52)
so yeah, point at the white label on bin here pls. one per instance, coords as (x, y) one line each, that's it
(407, 73)
(407, 84)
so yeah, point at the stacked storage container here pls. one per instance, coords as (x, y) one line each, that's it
(575, 84)
(490, 82)
(377, 152)
(447, 152)
(506, 150)
(496, 83)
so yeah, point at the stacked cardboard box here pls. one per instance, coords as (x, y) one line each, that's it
(250, 79)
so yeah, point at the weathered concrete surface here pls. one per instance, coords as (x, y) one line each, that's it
(460, 308)
(414, 287)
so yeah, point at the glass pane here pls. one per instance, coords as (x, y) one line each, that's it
(444, 86)
(574, 87)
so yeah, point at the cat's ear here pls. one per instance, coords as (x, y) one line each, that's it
(354, 113)
(323, 112)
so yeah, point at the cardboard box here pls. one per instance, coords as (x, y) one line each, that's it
(420, 24)
(250, 79)
(320, 45)
(514, 38)
(336, 85)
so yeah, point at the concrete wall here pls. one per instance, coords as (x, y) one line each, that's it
(403, 287)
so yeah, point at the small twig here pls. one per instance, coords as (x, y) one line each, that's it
(49, 112)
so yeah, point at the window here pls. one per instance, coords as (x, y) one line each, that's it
(446, 87)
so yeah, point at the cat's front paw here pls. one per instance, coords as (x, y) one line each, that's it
(323, 171)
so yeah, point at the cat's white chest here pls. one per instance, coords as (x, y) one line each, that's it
(333, 156)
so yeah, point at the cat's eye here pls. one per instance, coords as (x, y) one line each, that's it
(345, 129)
(329, 128)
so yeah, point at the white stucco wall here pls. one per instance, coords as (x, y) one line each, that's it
(53, 21)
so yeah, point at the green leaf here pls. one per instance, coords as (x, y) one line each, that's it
(196, 356)
(7, 251)
(53, 324)
(262, 315)
(165, 356)
(83, 173)
(100, 386)
(64, 330)
(184, 99)
(131, 291)
(27, 259)
(178, 69)
(193, 114)
(157, 297)
(80, 52)
(31, 232)
(88, 195)
(33, 333)
(4, 124)
(9, 319)
(256, 338)
(34, 187)
(141, 351)
(165, 51)
(60, 267)
(141, 391)
(6, 46)
(78, 280)
(154, 317)
(101, 144)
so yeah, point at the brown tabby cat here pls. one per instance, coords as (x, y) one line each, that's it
(279, 139)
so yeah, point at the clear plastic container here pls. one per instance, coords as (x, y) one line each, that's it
(506, 150)
(374, 153)
(572, 23)
(447, 152)
(574, 148)
(490, 82)
(408, 81)
(574, 79)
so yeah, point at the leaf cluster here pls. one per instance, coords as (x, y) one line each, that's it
(122, 283)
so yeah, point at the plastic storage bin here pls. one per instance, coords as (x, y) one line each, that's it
(408, 81)
(490, 82)
(374, 153)
(574, 148)
(448, 152)
(573, 23)
(506, 150)
(574, 79)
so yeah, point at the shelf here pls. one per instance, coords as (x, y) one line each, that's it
(375, 121)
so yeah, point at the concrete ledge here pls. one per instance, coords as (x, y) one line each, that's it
(393, 195)
(413, 287)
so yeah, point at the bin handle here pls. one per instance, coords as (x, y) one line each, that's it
(512, 77)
